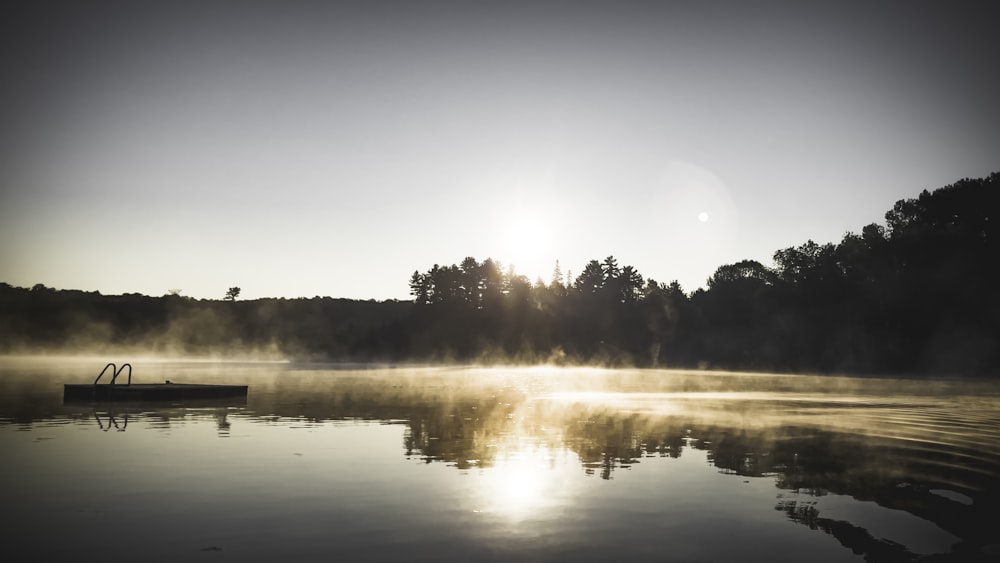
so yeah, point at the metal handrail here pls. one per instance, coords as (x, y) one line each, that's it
(115, 372)
(120, 370)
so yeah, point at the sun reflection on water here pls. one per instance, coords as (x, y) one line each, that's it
(525, 484)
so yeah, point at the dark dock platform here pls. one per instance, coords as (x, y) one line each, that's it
(150, 392)
(168, 391)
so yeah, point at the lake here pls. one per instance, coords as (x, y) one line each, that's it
(395, 463)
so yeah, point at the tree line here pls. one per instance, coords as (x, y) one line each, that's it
(919, 294)
(916, 295)
(43, 319)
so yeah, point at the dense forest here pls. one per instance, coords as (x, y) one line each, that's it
(920, 294)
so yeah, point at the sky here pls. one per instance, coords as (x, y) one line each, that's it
(300, 149)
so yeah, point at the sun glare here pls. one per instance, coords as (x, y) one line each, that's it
(522, 485)
(526, 236)
(528, 246)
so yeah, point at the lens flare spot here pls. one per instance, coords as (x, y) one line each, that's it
(703, 217)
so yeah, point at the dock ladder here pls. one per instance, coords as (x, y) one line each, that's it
(115, 372)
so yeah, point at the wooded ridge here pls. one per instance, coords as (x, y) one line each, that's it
(920, 294)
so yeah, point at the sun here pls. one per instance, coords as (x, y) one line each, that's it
(527, 245)
(526, 237)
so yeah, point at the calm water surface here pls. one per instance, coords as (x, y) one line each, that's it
(527, 464)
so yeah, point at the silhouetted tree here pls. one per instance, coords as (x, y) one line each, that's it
(610, 269)
(630, 285)
(557, 277)
(591, 280)
(418, 288)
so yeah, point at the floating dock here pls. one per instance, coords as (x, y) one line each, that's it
(150, 392)
(168, 391)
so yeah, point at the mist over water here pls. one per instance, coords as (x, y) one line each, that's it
(407, 463)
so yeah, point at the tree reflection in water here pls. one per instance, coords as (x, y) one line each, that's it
(819, 439)
(890, 452)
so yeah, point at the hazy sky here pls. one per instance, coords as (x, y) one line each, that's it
(330, 148)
